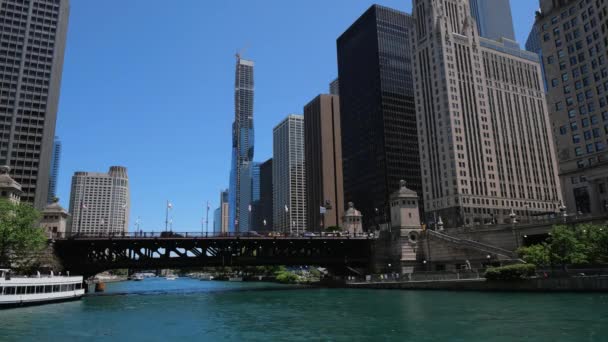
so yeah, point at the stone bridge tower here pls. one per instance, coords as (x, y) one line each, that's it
(405, 218)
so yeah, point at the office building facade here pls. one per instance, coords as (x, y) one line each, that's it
(224, 212)
(250, 193)
(242, 136)
(493, 18)
(377, 111)
(323, 152)
(334, 87)
(100, 202)
(262, 208)
(574, 40)
(56, 159)
(289, 176)
(31, 63)
(485, 138)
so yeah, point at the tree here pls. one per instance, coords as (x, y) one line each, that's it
(566, 246)
(536, 254)
(581, 244)
(21, 239)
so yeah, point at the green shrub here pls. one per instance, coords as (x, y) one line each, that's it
(287, 277)
(511, 272)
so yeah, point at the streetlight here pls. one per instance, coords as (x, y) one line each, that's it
(440, 224)
(513, 222)
(562, 209)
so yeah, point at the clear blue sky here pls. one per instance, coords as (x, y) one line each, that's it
(148, 84)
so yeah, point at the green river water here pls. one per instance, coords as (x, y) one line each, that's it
(191, 310)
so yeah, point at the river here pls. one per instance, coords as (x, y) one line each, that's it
(192, 310)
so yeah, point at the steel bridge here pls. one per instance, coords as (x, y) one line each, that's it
(92, 254)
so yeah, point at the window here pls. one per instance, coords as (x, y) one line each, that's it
(576, 138)
(600, 146)
(550, 59)
(569, 101)
(572, 113)
(574, 126)
(559, 105)
(563, 130)
(554, 82)
(596, 132)
(594, 120)
(585, 122)
(565, 77)
(578, 151)
(587, 135)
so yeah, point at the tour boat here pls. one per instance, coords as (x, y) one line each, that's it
(171, 277)
(21, 291)
(138, 277)
(235, 278)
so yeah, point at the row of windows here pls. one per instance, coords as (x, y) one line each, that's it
(21, 290)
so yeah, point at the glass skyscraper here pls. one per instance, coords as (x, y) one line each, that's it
(242, 136)
(377, 111)
(250, 193)
(493, 18)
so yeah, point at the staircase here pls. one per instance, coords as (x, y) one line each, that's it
(464, 243)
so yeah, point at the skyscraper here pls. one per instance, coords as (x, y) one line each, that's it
(574, 40)
(533, 43)
(334, 87)
(262, 209)
(250, 193)
(485, 139)
(217, 220)
(100, 202)
(242, 135)
(323, 151)
(378, 119)
(493, 18)
(56, 158)
(31, 61)
(224, 212)
(289, 175)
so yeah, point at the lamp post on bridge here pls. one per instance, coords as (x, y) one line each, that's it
(513, 222)
(562, 209)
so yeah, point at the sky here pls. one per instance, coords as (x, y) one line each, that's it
(150, 86)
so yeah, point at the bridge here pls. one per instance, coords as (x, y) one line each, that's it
(91, 254)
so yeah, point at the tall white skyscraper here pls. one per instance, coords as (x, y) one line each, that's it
(485, 139)
(100, 202)
(289, 175)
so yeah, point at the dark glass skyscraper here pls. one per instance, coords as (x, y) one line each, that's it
(262, 208)
(242, 135)
(31, 61)
(55, 159)
(378, 118)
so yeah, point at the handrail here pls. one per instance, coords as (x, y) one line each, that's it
(206, 235)
(475, 244)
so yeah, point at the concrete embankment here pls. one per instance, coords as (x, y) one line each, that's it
(574, 284)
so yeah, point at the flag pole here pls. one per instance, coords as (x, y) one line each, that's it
(207, 218)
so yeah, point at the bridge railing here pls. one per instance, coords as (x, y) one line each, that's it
(418, 276)
(207, 235)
